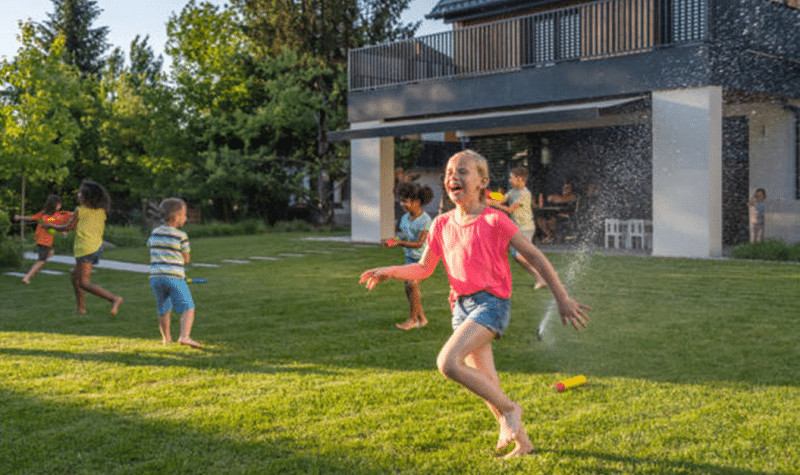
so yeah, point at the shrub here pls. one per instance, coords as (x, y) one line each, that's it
(10, 252)
(64, 243)
(125, 236)
(212, 229)
(296, 225)
(769, 250)
(794, 252)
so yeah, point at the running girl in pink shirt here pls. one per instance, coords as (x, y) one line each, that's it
(473, 241)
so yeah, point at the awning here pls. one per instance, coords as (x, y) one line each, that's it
(585, 111)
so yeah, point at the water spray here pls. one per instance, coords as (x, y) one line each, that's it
(576, 267)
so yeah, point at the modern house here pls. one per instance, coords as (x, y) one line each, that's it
(671, 111)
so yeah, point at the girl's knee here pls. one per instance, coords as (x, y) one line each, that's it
(447, 365)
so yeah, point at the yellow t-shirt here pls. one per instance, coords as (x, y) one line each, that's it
(89, 233)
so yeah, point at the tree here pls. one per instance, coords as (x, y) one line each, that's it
(232, 129)
(322, 32)
(84, 46)
(37, 126)
(140, 140)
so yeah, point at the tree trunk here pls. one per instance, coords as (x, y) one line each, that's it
(22, 211)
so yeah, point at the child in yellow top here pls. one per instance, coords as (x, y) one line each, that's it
(89, 221)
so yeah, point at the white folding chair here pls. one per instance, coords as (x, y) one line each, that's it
(615, 232)
(635, 237)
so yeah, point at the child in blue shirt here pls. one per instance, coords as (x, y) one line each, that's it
(413, 232)
(169, 252)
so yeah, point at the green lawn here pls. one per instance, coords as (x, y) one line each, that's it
(693, 367)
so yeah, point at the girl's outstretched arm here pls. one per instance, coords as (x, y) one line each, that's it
(419, 271)
(571, 310)
(68, 226)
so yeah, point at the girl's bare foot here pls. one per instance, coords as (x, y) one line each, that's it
(190, 342)
(510, 426)
(82, 311)
(166, 341)
(115, 305)
(539, 284)
(408, 324)
(422, 321)
(26, 280)
(523, 447)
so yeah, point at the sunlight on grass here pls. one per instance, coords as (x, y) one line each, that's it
(691, 368)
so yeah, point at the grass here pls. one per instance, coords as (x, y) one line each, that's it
(692, 368)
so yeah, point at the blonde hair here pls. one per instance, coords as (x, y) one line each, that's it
(481, 164)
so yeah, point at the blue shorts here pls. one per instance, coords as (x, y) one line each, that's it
(411, 260)
(482, 307)
(92, 258)
(171, 293)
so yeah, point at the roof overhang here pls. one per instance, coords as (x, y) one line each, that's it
(581, 112)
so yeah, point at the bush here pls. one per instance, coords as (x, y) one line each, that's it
(10, 252)
(769, 250)
(64, 243)
(213, 229)
(125, 236)
(296, 225)
(794, 252)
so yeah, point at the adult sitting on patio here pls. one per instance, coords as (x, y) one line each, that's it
(563, 205)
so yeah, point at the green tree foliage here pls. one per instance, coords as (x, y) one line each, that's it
(240, 126)
(84, 46)
(230, 115)
(140, 140)
(321, 32)
(37, 125)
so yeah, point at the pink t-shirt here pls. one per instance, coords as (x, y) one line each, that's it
(475, 255)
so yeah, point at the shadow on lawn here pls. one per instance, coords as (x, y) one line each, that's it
(67, 438)
(188, 359)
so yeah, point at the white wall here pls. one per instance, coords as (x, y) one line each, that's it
(687, 172)
(371, 189)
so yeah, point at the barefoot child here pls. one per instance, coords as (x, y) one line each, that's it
(518, 204)
(88, 221)
(169, 252)
(414, 226)
(44, 240)
(473, 241)
(758, 211)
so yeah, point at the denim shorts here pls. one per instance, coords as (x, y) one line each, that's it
(482, 307)
(43, 251)
(92, 258)
(411, 260)
(172, 293)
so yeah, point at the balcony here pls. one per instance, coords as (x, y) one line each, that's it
(580, 33)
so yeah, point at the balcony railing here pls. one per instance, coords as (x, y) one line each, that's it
(583, 32)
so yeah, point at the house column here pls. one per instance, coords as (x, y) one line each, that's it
(372, 189)
(687, 172)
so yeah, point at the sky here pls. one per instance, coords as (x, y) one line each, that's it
(127, 18)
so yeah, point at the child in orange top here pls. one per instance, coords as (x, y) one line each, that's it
(89, 222)
(473, 241)
(43, 239)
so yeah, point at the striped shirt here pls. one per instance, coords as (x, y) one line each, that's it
(167, 245)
